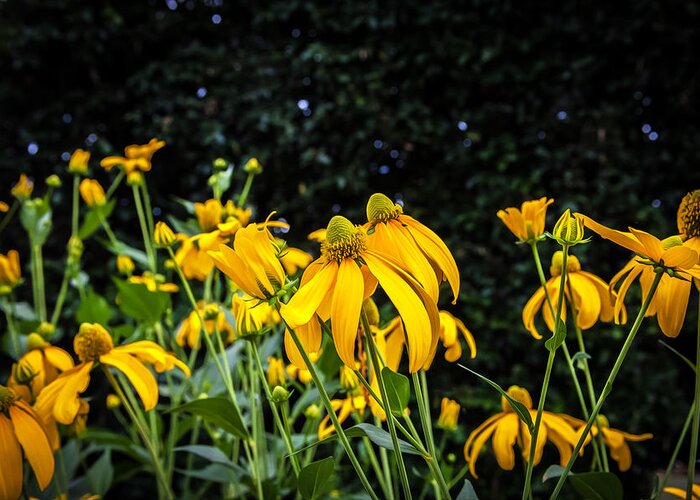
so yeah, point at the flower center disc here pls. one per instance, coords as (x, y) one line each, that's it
(689, 215)
(7, 398)
(572, 264)
(381, 209)
(343, 240)
(91, 342)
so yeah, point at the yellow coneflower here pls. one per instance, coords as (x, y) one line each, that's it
(591, 297)
(78, 163)
(21, 433)
(10, 271)
(154, 282)
(214, 321)
(208, 214)
(419, 250)
(23, 189)
(450, 328)
(507, 429)
(275, 371)
(294, 259)
(92, 193)
(195, 263)
(348, 406)
(526, 223)
(125, 265)
(449, 414)
(137, 157)
(670, 301)
(319, 236)
(252, 316)
(163, 236)
(347, 272)
(93, 344)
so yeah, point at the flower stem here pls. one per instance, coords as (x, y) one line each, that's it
(677, 449)
(8, 217)
(144, 228)
(609, 383)
(696, 419)
(115, 184)
(246, 189)
(14, 336)
(76, 207)
(41, 293)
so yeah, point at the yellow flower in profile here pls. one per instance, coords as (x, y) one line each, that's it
(526, 223)
(419, 250)
(22, 190)
(569, 229)
(294, 259)
(670, 301)
(318, 236)
(449, 414)
(507, 429)
(680, 492)
(208, 214)
(92, 193)
(138, 157)
(214, 321)
(21, 434)
(10, 272)
(144, 150)
(163, 236)
(93, 344)
(4, 207)
(590, 294)
(614, 439)
(347, 272)
(252, 315)
(154, 282)
(450, 328)
(252, 263)
(78, 163)
(275, 371)
(348, 406)
(195, 262)
(125, 265)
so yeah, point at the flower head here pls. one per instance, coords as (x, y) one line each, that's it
(569, 229)
(688, 216)
(154, 282)
(208, 214)
(275, 371)
(22, 190)
(78, 163)
(92, 193)
(253, 166)
(138, 157)
(10, 272)
(449, 414)
(22, 434)
(163, 236)
(214, 322)
(125, 265)
(526, 223)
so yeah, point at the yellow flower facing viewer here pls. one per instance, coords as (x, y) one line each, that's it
(93, 344)
(420, 251)
(590, 295)
(23, 189)
(449, 414)
(348, 271)
(527, 222)
(21, 434)
(214, 321)
(10, 271)
(92, 193)
(78, 163)
(507, 429)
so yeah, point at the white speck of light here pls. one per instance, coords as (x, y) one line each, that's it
(296, 33)
(32, 148)
(562, 115)
(65, 156)
(399, 202)
(307, 112)
(462, 125)
(656, 203)
(216, 19)
(302, 104)
(384, 169)
(172, 4)
(394, 154)
(653, 136)
(90, 139)
(201, 92)
(335, 208)
(67, 118)
(646, 128)
(156, 211)
(378, 144)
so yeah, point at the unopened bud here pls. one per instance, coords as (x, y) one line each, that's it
(75, 247)
(163, 236)
(220, 164)
(134, 178)
(53, 181)
(569, 229)
(46, 329)
(312, 411)
(280, 394)
(253, 166)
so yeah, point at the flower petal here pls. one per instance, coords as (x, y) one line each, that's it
(586, 298)
(310, 337)
(11, 478)
(345, 310)
(477, 439)
(504, 439)
(671, 305)
(626, 240)
(652, 245)
(66, 402)
(35, 443)
(680, 257)
(533, 305)
(302, 306)
(143, 380)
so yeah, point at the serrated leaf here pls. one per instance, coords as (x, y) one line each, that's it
(597, 486)
(398, 390)
(314, 477)
(556, 340)
(137, 301)
(467, 492)
(520, 409)
(218, 411)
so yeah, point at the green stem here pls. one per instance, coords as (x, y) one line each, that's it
(462, 472)
(76, 206)
(609, 383)
(696, 418)
(246, 189)
(6, 220)
(115, 184)
(41, 293)
(61, 297)
(144, 228)
(148, 207)
(14, 336)
(672, 461)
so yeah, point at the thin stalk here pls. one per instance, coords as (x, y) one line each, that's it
(144, 228)
(672, 461)
(61, 297)
(430, 438)
(246, 189)
(76, 207)
(148, 208)
(384, 458)
(115, 184)
(462, 472)
(41, 292)
(609, 383)
(545, 381)
(14, 336)
(696, 419)
(8, 217)
(377, 469)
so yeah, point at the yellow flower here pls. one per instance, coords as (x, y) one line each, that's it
(526, 223)
(214, 321)
(154, 283)
(144, 150)
(4, 207)
(138, 157)
(163, 236)
(113, 402)
(347, 406)
(569, 229)
(318, 236)
(275, 371)
(348, 378)
(301, 374)
(21, 433)
(208, 214)
(294, 259)
(680, 492)
(125, 265)
(251, 315)
(22, 190)
(92, 193)
(614, 439)
(507, 429)
(10, 272)
(194, 261)
(670, 301)
(347, 272)
(78, 163)
(450, 327)
(93, 344)
(79, 425)
(252, 263)
(419, 250)
(591, 297)
(449, 414)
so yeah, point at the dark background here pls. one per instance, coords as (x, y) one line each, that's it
(456, 108)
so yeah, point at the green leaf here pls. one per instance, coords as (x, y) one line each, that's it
(314, 477)
(558, 338)
(597, 486)
(93, 309)
(100, 475)
(137, 301)
(467, 492)
(519, 408)
(120, 248)
(20, 310)
(218, 411)
(35, 216)
(674, 351)
(91, 223)
(579, 359)
(213, 472)
(553, 471)
(398, 390)
(211, 453)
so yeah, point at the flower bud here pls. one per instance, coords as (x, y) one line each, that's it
(92, 193)
(23, 372)
(22, 190)
(53, 181)
(220, 164)
(75, 247)
(134, 178)
(163, 236)
(369, 307)
(312, 411)
(125, 265)
(46, 329)
(275, 371)
(78, 163)
(569, 229)
(348, 379)
(253, 166)
(113, 402)
(280, 394)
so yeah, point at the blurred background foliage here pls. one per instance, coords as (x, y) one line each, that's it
(457, 109)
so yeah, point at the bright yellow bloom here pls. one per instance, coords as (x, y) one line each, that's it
(10, 272)
(163, 236)
(670, 301)
(21, 433)
(347, 272)
(78, 163)
(214, 321)
(138, 157)
(252, 316)
(347, 406)
(275, 371)
(294, 259)
(348, 378)
(569, 229)
(22, 190)
(591, 297)
(194, 261)
(526, 223)
(4, 207)
(419, 250)
(252, 263)
(125, 265)
(208, 214)
(59, 400)
(301, 374)
(449, 414)
(680, 492)
(507, 429)
(154, 283)
(92, 193)
(318, 236)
